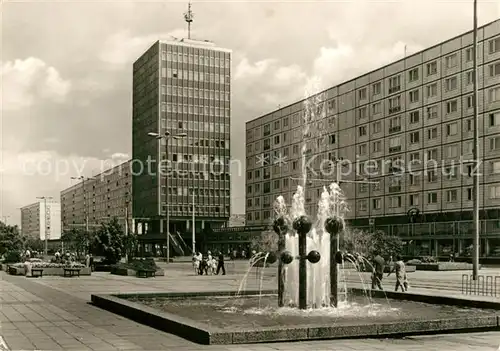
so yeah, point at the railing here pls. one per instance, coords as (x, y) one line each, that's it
(394, 189)
(241, 229)
(488, 285)
(394, 109)
(458, 229)
(394, 129)
(176, 247)
(395, 149)
(182, 243)
(394, 89)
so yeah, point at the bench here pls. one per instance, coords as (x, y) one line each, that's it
(146, 273)
(36, 272)
(71, 272)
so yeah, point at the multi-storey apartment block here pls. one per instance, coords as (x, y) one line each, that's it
(40, 220)
(97, 199)
(182, 88)
(408, 127)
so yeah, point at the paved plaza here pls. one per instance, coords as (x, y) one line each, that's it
(53, 313)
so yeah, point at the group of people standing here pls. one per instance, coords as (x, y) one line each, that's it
(205, 264)
(398, 267)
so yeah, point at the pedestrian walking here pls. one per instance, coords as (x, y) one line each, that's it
(378, 271)
(401, 278)
(211, 263)
(196, 263)
(220, 264)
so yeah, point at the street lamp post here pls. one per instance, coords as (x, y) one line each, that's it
(193, 230)
(45, 198)
(127, 247)
(475, 175)
(166, 137)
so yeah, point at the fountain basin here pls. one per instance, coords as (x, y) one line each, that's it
(223, 318)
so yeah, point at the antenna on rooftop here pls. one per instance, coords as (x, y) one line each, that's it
(188, 17)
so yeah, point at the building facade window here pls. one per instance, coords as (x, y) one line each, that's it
(431, 68)
(413, 75)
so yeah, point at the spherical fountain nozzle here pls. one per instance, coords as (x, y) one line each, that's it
(286, 257)
(302, 225)
(339, 257)
(271, 257)
(279, 225)
(334, 225)
(314, 256)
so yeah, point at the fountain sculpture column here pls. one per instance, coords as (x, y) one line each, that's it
(280, 227)
(303, 225)
(334, 225)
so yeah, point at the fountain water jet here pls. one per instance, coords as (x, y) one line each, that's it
(321, 283)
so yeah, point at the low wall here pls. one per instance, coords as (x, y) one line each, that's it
(99, 267)
(47, 271)
(5, 266)
(260, 264)
(444, 266)
(15, 270)
(132, 272)
(207, 333)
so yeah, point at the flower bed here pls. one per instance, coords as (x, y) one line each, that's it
(41, 264)
(48, 268)
(132, 272)
(131, 268)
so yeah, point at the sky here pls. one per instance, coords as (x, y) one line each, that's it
(66, 70)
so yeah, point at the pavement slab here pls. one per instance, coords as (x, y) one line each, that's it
(53, 313)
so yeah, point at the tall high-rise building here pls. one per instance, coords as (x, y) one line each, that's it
(41, 219)
(404, 127)
(181, 95)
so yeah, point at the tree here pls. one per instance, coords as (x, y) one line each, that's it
(110, 240)
(358, 241)
(11, 243)
(266, 242)
(10, 239)
(33, 244)
(367, 243)
(78, 240)
(132, 244)
(387, 245)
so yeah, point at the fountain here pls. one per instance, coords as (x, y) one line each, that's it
(308, 301)
(302, 225)
(308, 283)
